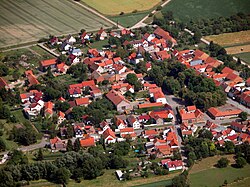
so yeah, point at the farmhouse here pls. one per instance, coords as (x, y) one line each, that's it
(191, 115)
(119, 101)
(45, 64)
(216, 113)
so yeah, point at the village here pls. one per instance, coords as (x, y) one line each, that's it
(141, 109)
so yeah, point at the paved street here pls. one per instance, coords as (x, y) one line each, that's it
(30, 147)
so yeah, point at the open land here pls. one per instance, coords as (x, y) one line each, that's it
(238, 49)
(126, 6)
(244, 56)
(198, 9)
(26, 21)
(128, 20)
(230, 39)
(204, 173)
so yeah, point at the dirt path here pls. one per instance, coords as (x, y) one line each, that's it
(97, 13)
(141, 24)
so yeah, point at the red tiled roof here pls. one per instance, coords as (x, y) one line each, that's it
(227, 70)
(191, 108)
(116, 97)
(88, 142)
(108, 132)
(126, 130)
(217, 113)
(55, 140)
(151, 132)
(61, 114)
(48, 107)
(82, 101)
(49, 62)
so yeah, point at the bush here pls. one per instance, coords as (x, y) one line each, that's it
(150, 15)
(134, 11)
(159, 8)
(241, 162)
(121, 13)
(222, 163)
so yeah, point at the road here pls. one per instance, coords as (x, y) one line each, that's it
(141, 24)
(30, 147)
(98, 14)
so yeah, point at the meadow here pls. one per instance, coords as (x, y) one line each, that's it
(198, 9)
(29, 20)
(126, 6)
(204, 173)
(244, 56)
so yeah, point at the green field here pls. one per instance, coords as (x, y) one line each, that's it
(244, 56)
(29, 20)
(128, 20)
(198, 9)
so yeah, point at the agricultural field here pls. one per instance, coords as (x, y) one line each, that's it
(128, 20)
(204, 173)
(244, 56)
(238, 49)
(230, 39)
(198, 9)
(118, 6)
(29, 20)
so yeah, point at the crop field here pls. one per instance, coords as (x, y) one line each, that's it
(198, 9)
(230, 39)
(238, 49)
(29, 20)
(114, 7)
(244, 56)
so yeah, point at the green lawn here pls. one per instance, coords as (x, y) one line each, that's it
(128, 20)
(99, 44)
(244, 56)
(241, 183)
(43, 54)
(215, 177)
(198, 9)
(163, 183)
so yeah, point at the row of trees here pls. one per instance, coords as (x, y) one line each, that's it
(75, 165)
(234, 23)
(194, 89)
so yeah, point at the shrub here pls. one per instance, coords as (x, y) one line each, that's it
(121, 13)
(134, 11)
(222, 163)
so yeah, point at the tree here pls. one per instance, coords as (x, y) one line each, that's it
(241, 162)
(131, 78)
(222, 163)
(62, 175)
(39, 155)
(16, 75)
(17, 157)
(62, 106)
(197, 36)
(243, 116)
(229, 147)
(24, 136)
(2, 145)
(77, 145)
(69, 145)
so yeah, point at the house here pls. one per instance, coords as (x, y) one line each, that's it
(48, 109)
(162, 151)
(76, 52)
(32, 80)
(172, 165)
(123, 88)
(238, 127)
(3, 83)
(71, 39)
(75, 92)
(191, 115)
(87, 142)
(162, 116)
(128, 133)
(102, 34)
(82, 101)
(157, 95)
(119, 101)
(95, 75)
(120, 123)
(56, 144)
(133, 122)
(34, 109)
(135, 58)
(109, 136)
(61, 68)
(160, 33)
(151, 134)
(61, 117)
(78, 131)
(216, 113)
(45, 64)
